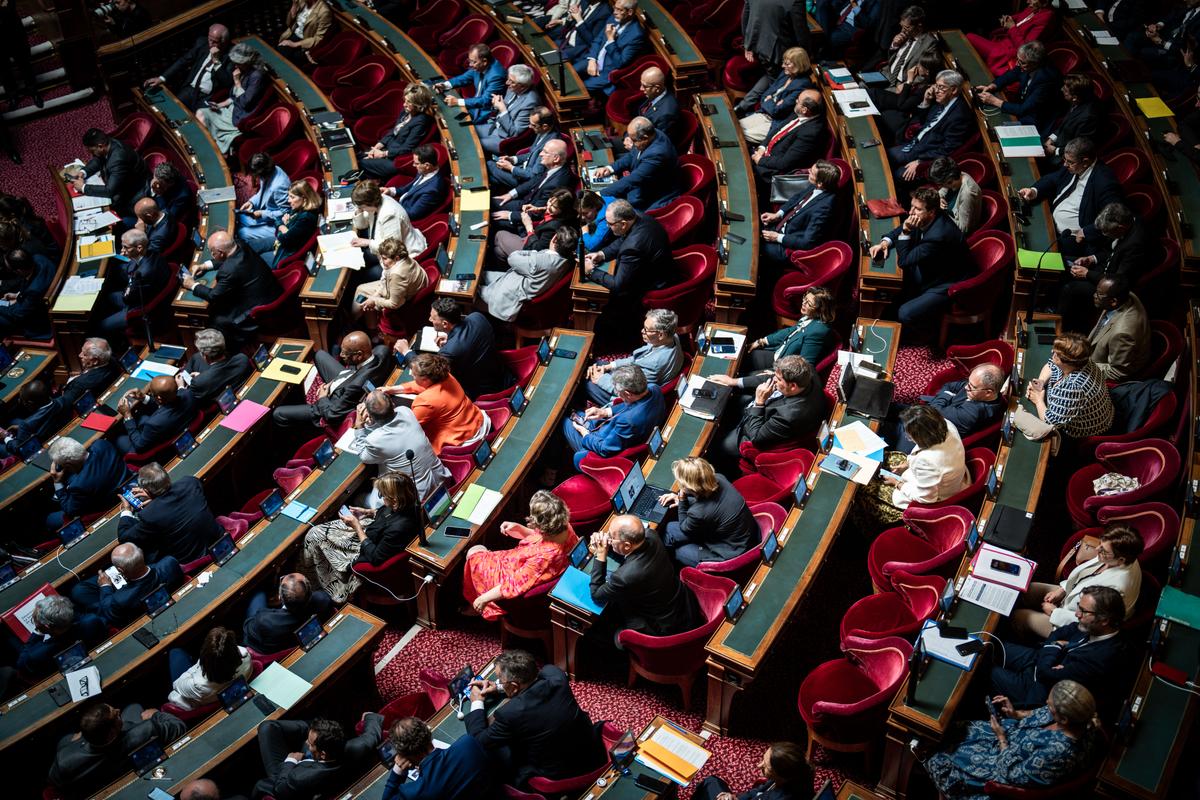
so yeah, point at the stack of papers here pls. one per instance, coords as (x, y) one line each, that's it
(991, 596)
(94, 248)
(1106, 38)
(337, 251)
(78, 294)
(862, 104)
(84, 202)
(1020, 141)
(93, 219)
(839, 77)
(862, 467)
(859, 439)
(477, 503)
(77, 284)
(149, 370)
(668, 752)
(1003, 567)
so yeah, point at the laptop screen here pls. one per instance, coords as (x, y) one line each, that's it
(159, 599)
(272, 505)
(630, 488)
(323, 455)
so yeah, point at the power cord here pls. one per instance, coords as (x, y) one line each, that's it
(428, 580)
(995, 639)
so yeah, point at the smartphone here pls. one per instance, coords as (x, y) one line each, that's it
(859, 104)
(344, 511)
(970, 647)
(705, 393)
(1006, 567)
(949, 631)
(651, 784)
(465, 276)
(561, 353)
(457, 531)
(886, 473)
(868, 142)
(145, 638)
(993, 709)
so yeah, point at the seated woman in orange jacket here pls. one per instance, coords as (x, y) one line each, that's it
(542, 553)
(1000, 50)
(446, 415)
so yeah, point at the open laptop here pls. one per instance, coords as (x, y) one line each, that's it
(635, 496)
(865, 395)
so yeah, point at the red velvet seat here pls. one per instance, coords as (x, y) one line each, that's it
(1161, 417)
(386, 584)
(844, 702)
(335, 53)
(980, 169)
(967, 357)
(163, 452)
(275, 129)
(610, 734)
(359, 82)
(460, 468)
(273, 317)
(288, 479)
(1155, 286)
(1154, 462)
(686, 128)
(750, 454)
(1166, 343)
(696, 266)
(897, 613)
(528, 617)
(1113, 132)
(681, 217)
(299, 159)
(1129, 165)
(676, 659)
(931, 542)
(234, 527)
(1156, 523)
(460, 36)
(439, 11)
(1146, 203)
(589, 495)
(135, 130)
(250, 512)
(1064, 57)
(994, 213)
(770, 517)
(539, 315)
(266, 659)
(979, 463)
(973, 300)
(303, 457)
(522, 362)
(697, 175)
(740, 75)
(784, 467)
(412, 704)
(826, 265)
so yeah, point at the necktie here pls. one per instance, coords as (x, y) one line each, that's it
(845, 15)
(784, 131)
(200, 72)
(1112, 10)
(929, 123)
(604, 49)
(1065, 193)
(795, 210)
(901, 57)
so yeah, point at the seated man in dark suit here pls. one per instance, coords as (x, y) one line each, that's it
(645, 594)
(785, 409)
(425, 192)
(607, 430)
(1076, 194)
(969, 405)
(174, 519)
(803, 222)
(123, 172)
(56, 627)
(200, 72)
(541, 731)
(212, 369)
(458, 772)
(244, 282)
(409, 130)
(659, 104)
(617, 44)
(1082, 118)
(1089, 651)
(305, 760)
(536, 190)
(172, 194)
(271, 630)
(345, 382)
(155, 223)
(119, 607)
(1038, 83)
(931, 253)
(99, 371)
(84, 762)
(84, 480)
(1123, 255)
(946, 122)
(648, 173)
(642, 250)
(510, 171)
(470, 343)
(793, 143)
(155, 416)
(27, 315)
(143, 276)
(38, 418)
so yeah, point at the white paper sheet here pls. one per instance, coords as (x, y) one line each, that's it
(845, 97)
(83, 683)
(866, 466)
(487, 503)
(945, 649)
(991, 596)
(338, 253)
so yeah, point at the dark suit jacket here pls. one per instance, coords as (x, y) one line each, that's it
(1038, 94)
(1091, 663)
(653, 175)
(1126, 260)
(471, 348)
(664, 114)
(968, 416)
(95, 380)
(308, 779)
(145, 279)
(124, 174)
(272, 630)
(36, 659)
(950, 132)
(179, 204)
(152, 423)
(342, 400)
(411, 135)
(528, 165)
(244, 281)
(179, 524)
(544, 730)
(1102, 188)
(80, 769)
(537, 192)
(183, 71)
(459, 772)
(1081, 120)
(121, 606)
(161, 234)
(388, 535)
(722, 524)
(29, 315)
(300, 228)
(644, 261)
(215, 378)
(799, 148)
(784, 419)
(421, 201)
(646, 593)
(95, 486)
(931, 257)
(811, 224)
(770, 27)
(40, 424)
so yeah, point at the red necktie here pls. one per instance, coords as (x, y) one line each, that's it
(784, 131)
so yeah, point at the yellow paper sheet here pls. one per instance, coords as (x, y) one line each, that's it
(75, 302)
(475, 200)
(286, 370)
(95, 249)
(1154, 107)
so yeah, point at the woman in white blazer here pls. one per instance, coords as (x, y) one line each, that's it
(1048, 606)
(221, 662)
(530, 272)
(382, 217)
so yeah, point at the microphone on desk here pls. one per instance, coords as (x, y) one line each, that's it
(1023, 334)
(916, 668)
(410, 455)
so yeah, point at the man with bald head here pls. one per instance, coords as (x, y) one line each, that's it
(345, 380)
(969, 405)
(270, 629)
(537, 189)
(119, 607)
(201, 72)
(154, 222)
(648, 175)
(793, 143)
(144, 275)
(156, 415)
(660, 105)
(244, 281)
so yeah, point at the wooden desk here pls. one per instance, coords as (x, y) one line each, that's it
(737, 275)
(214, 448)
(669, 40)
(588, 299)
(685, 435)
(211, 743)
(737, 651)
(1022, 468)
(618, 785)
(70, 358)
(515, 450)
(29, 364)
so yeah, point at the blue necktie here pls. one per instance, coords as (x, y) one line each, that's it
(937, 114)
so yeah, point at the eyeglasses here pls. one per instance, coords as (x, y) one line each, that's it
(942, 87)
(1083, 612)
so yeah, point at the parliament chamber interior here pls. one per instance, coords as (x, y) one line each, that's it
(473, 399)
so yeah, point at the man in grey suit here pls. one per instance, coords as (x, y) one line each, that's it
(391, 436)
(1121, 338)
(509, 171)
(512, 110)
(87, 760)
(530, 272)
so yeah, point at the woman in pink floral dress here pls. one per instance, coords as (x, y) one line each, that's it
(541, 554)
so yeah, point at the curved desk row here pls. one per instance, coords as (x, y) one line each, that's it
(28, 364)
(688, 65)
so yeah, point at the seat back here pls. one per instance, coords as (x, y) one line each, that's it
(1154, 462)
(474, 28)
(522, 362)
(682, 653)
(1160, 417)
(994, 211)
(290, 280)
(1166, 342)
(945, 527)
(979, 463)
(1156, 523)
(680, 217)
(297, 159)
(1128, 164)
(697, 265)
(684, 135)
(135, 130)
(548, 308)
(697, 175)
(607, 472)
(979, 168)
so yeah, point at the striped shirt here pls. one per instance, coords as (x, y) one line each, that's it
(1078, 404)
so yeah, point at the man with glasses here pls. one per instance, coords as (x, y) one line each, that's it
(1038, 85)
(486, 75)
(1121, 337)
(659, 105)
(244, 282)
(969, 405)
(660, 358)
(145, 274)
(618, 43)
(1089, 651)
(908, 46)
(509, 171)
(945, 122)
(1124, 258)
(1077, 193)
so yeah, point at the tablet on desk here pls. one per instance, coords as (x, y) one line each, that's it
(272, 505)
(147, 757)
(72, 658)
(262, 357)
(233, 695)
(323, 455)
(222, 550)
(158, 601)
(311, 632)
(71, 533)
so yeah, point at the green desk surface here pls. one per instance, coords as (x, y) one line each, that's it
(208, 158)
(678, 43)
(350, 634)
(30, 361)
(816, 523)
(538, 41)
(103, 535)
(1024, 171)
(601, 156)
(739, 180)
(544, 408)
(253, 558)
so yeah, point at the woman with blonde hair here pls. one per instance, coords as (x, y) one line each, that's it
(714, 524)
(409, 130)
(299, 223)
(778, 102)
(544, 544)
(401, 281)
(363, 536)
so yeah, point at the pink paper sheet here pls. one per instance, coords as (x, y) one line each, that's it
(246, 414)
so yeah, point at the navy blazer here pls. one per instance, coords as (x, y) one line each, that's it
(301, 226)
(411, 135)
(178, 204)
(153, 423)
(161, 234)
(653, 175)
(537, 189)
(95, 380)
(664, 114)
(779, 103)
(121, 606)
(950, 132)
(421, 201)
(802, 146)
(931, 257)
(36, 659)
(968, 416)
(95, 486)
(627, 46)
(124, 174)
(1081, 120)
(486, 84)
(244, 281)
(254, 83)
(458, 772)
(273, 630)
(810, 226)
(145, 279)
(41, 424)
(212, 379)
(1101, 189)
(629, 425)
(178, 524)
(29, 315)
(1091, 663)
(1038, 94)
(644, 260)
(471, 348)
